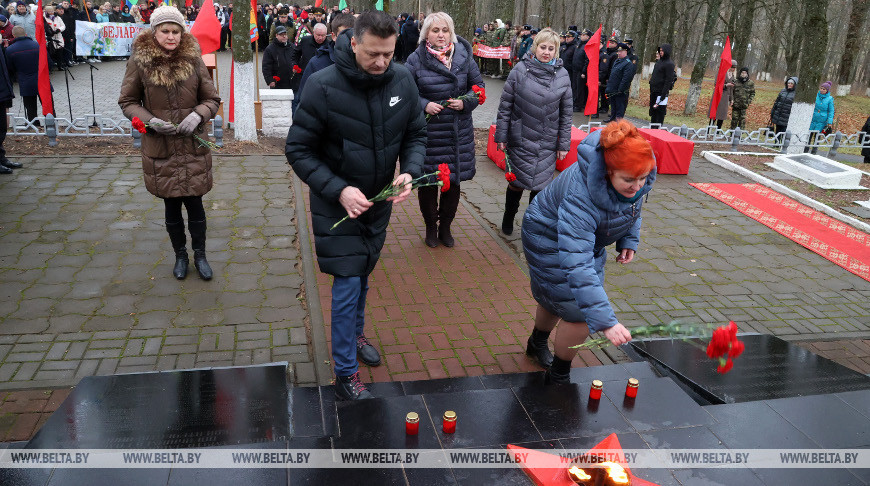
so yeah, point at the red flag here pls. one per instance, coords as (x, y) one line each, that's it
(724, 66)
(43, 78)
(318, 3)
(592, 48)
(188, 3)
(207, 29)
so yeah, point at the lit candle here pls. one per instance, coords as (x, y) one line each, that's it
(449, 425)
(595, 390)
(412, 423)
(631, 388)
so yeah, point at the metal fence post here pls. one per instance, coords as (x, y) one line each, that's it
(137, 138)
(684, 131)
(786, 141)
(735, 140)
(219, 130)
(833, 152)
(51, 130)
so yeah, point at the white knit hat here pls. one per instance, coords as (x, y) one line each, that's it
(167, 13)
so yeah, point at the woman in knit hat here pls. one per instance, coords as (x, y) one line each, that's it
(168, 87)
(823, 117)
(591, 205)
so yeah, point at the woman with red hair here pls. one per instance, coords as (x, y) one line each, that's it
(591, 205)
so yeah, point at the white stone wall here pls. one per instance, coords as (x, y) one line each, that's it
(799, 125)
(277, 111)
(844, 89)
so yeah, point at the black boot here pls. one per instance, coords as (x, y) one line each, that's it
(428, 198)
(366, 352)
(351, 388)
(538, 349)
(197, 240)
(446, 213)
(179, 244)
(511, 206)
(559, 372)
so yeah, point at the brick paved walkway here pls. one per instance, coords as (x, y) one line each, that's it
(439, 313)
(86, 269)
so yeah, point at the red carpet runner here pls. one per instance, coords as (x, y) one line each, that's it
(832, 239)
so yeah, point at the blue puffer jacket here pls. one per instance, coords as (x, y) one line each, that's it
(823, 113)
(565, 232)
(450, 133)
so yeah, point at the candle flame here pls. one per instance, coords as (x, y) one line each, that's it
(616, 472)
(578, 474)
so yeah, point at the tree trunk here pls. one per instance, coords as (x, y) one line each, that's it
(812, 62)
(703, 55)
(793, 37)
(672, 21)
(743, 32)
(464, 23)
(853, 36)
(244, 77)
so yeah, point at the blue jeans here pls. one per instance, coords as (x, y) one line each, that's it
(348, 318)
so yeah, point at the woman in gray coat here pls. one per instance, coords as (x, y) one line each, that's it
(534, 121)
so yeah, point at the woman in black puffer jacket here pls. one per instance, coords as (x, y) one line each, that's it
(782, 106)
(444, 69)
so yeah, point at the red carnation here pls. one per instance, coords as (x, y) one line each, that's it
(726, 367)
(444, 169)
(719, 343)
(138, 124)
(480, 92)
(276, 78)
(510, 177)
(737, 348)
(297, 69)
(446, 184)
(510, 63)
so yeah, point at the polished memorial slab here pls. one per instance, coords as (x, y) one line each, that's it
(769, 368)
(177, 409)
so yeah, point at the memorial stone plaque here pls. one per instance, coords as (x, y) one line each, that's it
(173, 409)
(768, 368)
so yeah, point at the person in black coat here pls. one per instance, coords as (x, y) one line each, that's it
(278, 61)
(866, 150)
(619, 82)
(580, 63)
(410, 35)
(6, 96)
(356, 119)
(661, 81)
(444, 69)
(324, 58)
(567, 56)
(304, 52)
(22, 60)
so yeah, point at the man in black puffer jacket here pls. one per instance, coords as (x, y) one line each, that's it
(278, 61)
(356, 118)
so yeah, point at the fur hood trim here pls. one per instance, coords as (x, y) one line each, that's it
(162, 69)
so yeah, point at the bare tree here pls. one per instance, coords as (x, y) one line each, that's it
(245, 76)
(850, 49)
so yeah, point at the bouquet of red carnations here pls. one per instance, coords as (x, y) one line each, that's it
(479, 91)
(440, 178)
(722, 345)
(142, 127)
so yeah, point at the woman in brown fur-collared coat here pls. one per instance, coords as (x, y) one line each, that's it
(168, 87)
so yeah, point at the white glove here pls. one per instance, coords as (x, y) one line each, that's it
(161, 127)
(189, 124)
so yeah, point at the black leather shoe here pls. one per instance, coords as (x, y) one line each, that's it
(181, 263)
(12, 165)
(367, 353)
(201, 264)
(537, 348)
(559, 372)
(351, 388)
(5, 170)
(594, 117)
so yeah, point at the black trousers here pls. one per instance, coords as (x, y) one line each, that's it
(226, 38)
(30, 107)
(604, 105)
(195, 210)
(580, 94)
(4, 125)
(618, 104)
(656, 115)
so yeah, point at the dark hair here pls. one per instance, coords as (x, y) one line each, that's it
(341, 20)
(377, 23)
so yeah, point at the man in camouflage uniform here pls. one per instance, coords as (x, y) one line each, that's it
(744, 92)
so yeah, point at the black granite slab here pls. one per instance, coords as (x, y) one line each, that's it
(755, 425)
(438, 476)
(131, 477)
(614, 372)
(443, 385)
(660, 404)
(347, 476)
(859, 400)
(769, 368)
(238, 476)
(306, 412)
(379, 423)
(512, 380)
(826, 420)
(560, 411)
(484, 417)
(699, 438)
(177, 409)
(630, 440)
